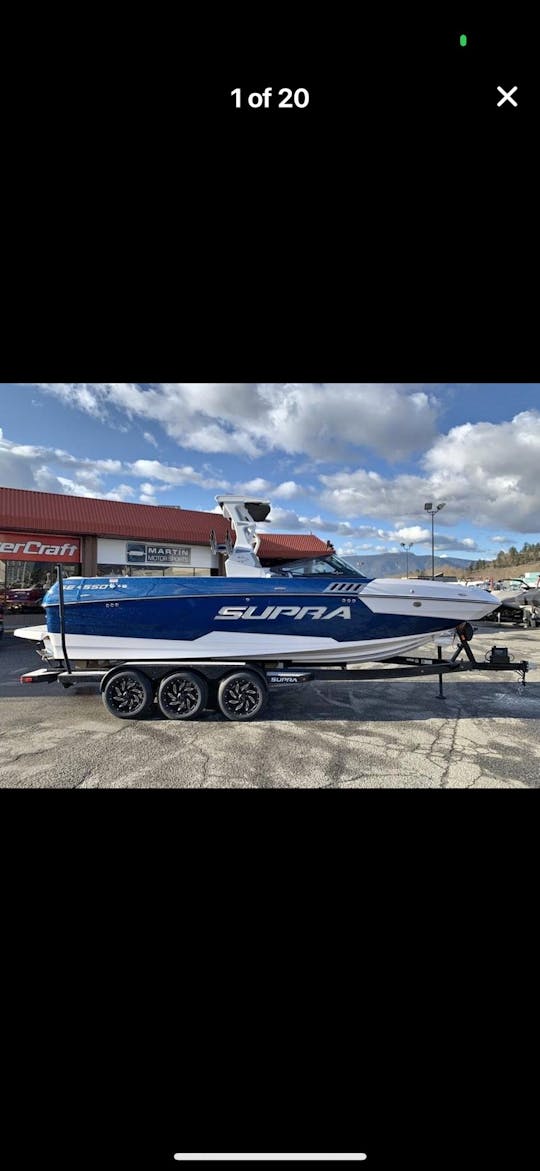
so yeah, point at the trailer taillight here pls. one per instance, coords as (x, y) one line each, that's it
(43, 675)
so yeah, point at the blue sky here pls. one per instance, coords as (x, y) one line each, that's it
(351, 462)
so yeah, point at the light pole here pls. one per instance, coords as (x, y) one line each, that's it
(406, 548)
(429, 508)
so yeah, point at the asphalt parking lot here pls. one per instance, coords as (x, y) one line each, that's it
(399, 734)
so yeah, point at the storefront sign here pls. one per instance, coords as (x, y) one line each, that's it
(138, 553)
(41, 547)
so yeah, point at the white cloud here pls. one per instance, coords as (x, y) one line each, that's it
(320, 421)
(483, 472)
(170, 474)
(76, 488)
(325, 421)
(367, 493)
(25, 466)
(455, 543)
(486, 472)
(80, 395)
(489, 471)
(150, 438)
(285, 520)
(354, 549)
(421, 536)
(288, 490)
(42, 469)
(39, 479)
(414, 533)
(212, 437)
(256, 487)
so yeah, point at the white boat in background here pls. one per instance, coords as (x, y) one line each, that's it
(517, 592)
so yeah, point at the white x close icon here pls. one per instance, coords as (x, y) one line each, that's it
(507, 96)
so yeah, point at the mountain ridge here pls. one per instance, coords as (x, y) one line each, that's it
(395, 564)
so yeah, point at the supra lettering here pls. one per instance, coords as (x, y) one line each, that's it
(271, 613)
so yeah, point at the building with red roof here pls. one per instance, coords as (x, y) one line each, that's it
(93, 537)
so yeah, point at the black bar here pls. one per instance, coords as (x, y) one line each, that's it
(62, 616)
(80, 677)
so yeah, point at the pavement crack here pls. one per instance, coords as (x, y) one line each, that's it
(80, 783)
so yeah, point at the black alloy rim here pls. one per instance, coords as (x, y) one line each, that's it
(181, 696)
(126, 694)
(242, 696)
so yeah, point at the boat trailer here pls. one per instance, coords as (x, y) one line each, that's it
(240, 689)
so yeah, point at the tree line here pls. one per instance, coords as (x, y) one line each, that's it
(529, 552)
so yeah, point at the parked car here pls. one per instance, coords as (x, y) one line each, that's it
(25, 599)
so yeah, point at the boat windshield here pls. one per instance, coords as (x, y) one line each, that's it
(317, 567)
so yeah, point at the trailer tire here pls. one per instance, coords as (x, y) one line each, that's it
(242, 695)
(182, 695)
(128, 695)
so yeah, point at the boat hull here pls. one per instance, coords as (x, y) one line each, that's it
(309, 620)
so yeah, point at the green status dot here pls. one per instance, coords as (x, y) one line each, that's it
(463, 40)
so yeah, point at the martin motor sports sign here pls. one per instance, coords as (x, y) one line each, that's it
(142, 553)
(42, 547)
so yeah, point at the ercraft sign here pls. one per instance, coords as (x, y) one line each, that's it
(41, 547)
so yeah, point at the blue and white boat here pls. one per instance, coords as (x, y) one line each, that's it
(317, 610)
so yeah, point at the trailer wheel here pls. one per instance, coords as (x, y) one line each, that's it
(183, 695)
(128, 695)
(242, 695)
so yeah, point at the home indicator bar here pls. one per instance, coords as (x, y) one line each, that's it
(270, 1158)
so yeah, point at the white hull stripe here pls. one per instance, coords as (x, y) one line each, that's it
(221, 644)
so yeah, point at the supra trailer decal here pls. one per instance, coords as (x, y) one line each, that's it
(271, 612)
